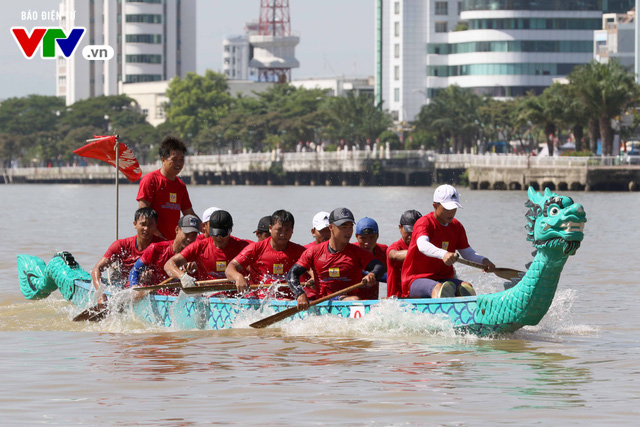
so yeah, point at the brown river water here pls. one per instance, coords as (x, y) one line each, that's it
(580, 365)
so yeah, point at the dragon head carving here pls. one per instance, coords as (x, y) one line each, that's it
(554, 221)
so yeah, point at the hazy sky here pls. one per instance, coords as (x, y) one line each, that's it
(336, 38)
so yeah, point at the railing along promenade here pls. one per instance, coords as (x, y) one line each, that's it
(360, 167)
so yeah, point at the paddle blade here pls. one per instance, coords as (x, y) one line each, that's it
(93, 314)
(274, 318)
(507, 273)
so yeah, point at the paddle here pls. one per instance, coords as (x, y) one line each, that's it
(169, 284)
(293, 310)
(504, 273)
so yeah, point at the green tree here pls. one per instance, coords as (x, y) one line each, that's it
(197, 102)
(607, 91)
(542, 112)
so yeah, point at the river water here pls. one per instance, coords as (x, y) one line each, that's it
(579, 365)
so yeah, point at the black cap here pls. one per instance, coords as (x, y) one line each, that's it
(263, 224)
(341, 215)
(220, 223)
(409, 218)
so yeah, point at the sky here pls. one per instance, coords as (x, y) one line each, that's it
(336, 38)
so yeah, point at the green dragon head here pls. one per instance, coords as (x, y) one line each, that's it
(554, 221)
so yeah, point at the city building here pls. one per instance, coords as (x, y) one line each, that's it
(153, 40)
(337, 86)
(617, 38)
(501, 48)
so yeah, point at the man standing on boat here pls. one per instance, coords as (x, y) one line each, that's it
(270, 260)
(156, 255)
(211, 255)
(336, 263)
(123, 253)
(367, 234)
(428, 268)
(163, 191)
(397, 252)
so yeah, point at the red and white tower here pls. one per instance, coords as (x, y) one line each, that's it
(274, 45)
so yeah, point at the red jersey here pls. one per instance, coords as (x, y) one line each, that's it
(379, 253)
(394, 270)
(168, 198)
(211, 261)
(310, 245)
(334, 272)
(124, 253)
(417, 265)
(154, 258)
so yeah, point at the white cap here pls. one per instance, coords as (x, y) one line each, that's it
(207, 214)
(447, 196)
(321, 220)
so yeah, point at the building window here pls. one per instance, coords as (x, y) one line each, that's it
(396, 50)
(145, 112)
(396, 8)
(441, 27)
(396, 94)
(144, 59)
(62, 81)
(144, 1)
(396, 72)
(143, 38)
(141, 78)
(396, 29)
(160, 112)
(145, 18)
(442, 8)
(459, 7)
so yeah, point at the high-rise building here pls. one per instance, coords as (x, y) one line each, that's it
(616, 39)
(153, 40)
(502, 48)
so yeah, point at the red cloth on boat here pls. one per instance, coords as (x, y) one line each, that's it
(154, 258)
(211, 261)
(105, 150)
(124, 253)
(270, 266)
(168, 198)
(334, 272)
(417, 265)
(394, 270)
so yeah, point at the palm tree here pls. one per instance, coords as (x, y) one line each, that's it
(607, 91)
(543, 112)
(572, 111)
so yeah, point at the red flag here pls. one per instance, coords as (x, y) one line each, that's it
(105, 149)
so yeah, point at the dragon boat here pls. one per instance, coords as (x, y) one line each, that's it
(555, 228)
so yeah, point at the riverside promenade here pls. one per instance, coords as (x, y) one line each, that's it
(362, 168)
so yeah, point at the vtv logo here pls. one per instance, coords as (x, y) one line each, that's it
(49, 36)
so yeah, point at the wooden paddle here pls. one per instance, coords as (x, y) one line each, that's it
(504, 273)
(293, 310)
(169, 284)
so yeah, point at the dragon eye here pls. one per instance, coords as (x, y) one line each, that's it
(554, 210)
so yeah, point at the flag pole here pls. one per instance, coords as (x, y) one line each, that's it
(117, 184)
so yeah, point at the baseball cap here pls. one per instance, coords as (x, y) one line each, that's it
(341, 215)
(207, 214)
(189, 224)
(367, 225)
(409, 218)
(220, 223)
(447, 196)
(263, 224)
(321, 220)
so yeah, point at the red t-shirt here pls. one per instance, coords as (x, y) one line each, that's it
(211, 261)
(125, 253)
(155, 257)
(268, 265)
(334, 272)
(394, 270)
(168, 198)
(417, 265)
(379, 253)
(310, 245)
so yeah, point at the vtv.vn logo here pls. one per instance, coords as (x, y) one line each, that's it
(50, 36)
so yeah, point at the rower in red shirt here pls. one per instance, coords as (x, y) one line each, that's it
(156, 255)
(336, 263)
(320, 229)
(270, 260)
(397, 252)
(123, 253)
(163, 191)
(367, 235)
(211, 255)
(204, 228)
(437, 237)
(262, 230)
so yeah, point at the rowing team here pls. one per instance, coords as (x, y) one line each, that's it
(418, 265)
